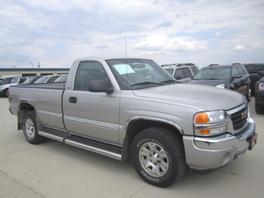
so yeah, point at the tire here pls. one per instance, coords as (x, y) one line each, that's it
(164, 142)
(30, 129)
(248, 95)
(259, 108)
(6, 93)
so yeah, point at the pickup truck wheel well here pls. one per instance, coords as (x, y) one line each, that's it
(24, 107)
(136, 126)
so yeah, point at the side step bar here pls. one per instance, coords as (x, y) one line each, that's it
(86, 144)
(94, 149)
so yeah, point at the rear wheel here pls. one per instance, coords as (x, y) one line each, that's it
(6, 93)
(259, 108)
(158, 156)
(30, 129)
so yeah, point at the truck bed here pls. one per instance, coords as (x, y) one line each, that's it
(46, 99)
(59, 86)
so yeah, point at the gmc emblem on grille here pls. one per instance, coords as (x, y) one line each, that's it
(243, 115)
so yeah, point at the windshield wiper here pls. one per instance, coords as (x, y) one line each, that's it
(145, 83)
(168, 81)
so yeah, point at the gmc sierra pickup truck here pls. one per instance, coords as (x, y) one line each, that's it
(131, 109)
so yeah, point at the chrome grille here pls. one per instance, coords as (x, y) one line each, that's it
(239, 119)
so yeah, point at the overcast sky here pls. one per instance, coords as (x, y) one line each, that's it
(54, 32)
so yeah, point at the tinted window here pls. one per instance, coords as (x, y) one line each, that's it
(182, 73)
(254, 68)
(1, 81)
(88, 71)
(213, 73)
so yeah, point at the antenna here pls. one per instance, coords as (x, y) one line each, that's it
(125, 42)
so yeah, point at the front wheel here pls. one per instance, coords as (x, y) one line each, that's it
(158, 156)
(30, 129)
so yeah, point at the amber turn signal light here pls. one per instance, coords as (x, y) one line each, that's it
(201, 118)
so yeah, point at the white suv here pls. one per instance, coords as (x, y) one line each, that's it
(181, 72)
(7, 82)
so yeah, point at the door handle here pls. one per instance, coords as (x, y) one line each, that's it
(72, 99)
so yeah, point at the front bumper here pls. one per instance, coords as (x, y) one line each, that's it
(259, 97)
(212, 152)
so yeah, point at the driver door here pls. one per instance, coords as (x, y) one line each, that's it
(89, 114)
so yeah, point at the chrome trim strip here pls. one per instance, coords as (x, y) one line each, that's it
(237, 109)
(94, 149)
(211, 125)
(48, 135)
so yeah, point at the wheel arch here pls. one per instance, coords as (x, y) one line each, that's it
(137, 124)
(24, 107)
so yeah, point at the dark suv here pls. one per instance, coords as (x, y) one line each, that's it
(234, 77)
(256, 71)
(259, 96)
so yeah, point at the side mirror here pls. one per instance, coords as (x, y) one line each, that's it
(236, 76)
(101, 86)
(178, 77)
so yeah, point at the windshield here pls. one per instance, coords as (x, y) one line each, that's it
(41, 80)
(213, 73)
(1, 81)
(138, 73)
(170, 71)
(62, 78)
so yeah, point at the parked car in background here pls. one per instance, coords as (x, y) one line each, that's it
(181, 72)
(256, 72)
(30, 80)
(234, 77)
(46, 79)
(131, 109)
(7, 82)
(259, 96)
(61, 79)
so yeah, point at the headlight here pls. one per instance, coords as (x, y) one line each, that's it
(220, 86)
(261, 86)
(210, 123)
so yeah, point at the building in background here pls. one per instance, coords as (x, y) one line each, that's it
(32, 71)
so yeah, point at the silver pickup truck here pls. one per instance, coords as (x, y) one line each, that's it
(132, 109)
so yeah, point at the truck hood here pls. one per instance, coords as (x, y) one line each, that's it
(194, 96)
(208, 82)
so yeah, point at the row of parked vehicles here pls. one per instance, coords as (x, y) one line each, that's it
(7, 82)
(245, 79)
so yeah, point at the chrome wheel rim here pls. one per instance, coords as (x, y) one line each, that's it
(30, 128)
(153, 159)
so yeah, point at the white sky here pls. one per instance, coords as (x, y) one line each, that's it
(55, 32)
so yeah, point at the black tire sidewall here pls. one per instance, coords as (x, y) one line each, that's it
(171, 149)
(259, 108)
(32, 117)
(150, 178)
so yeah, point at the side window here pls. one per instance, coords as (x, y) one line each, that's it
(236, 72)
(86, 72)
(187, 73)
(179, 74)
(242, 71)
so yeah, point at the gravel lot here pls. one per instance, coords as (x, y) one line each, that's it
(56, 170)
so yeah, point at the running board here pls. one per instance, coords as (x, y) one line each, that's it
(94, 149)
(51, 136)
(86, 144)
